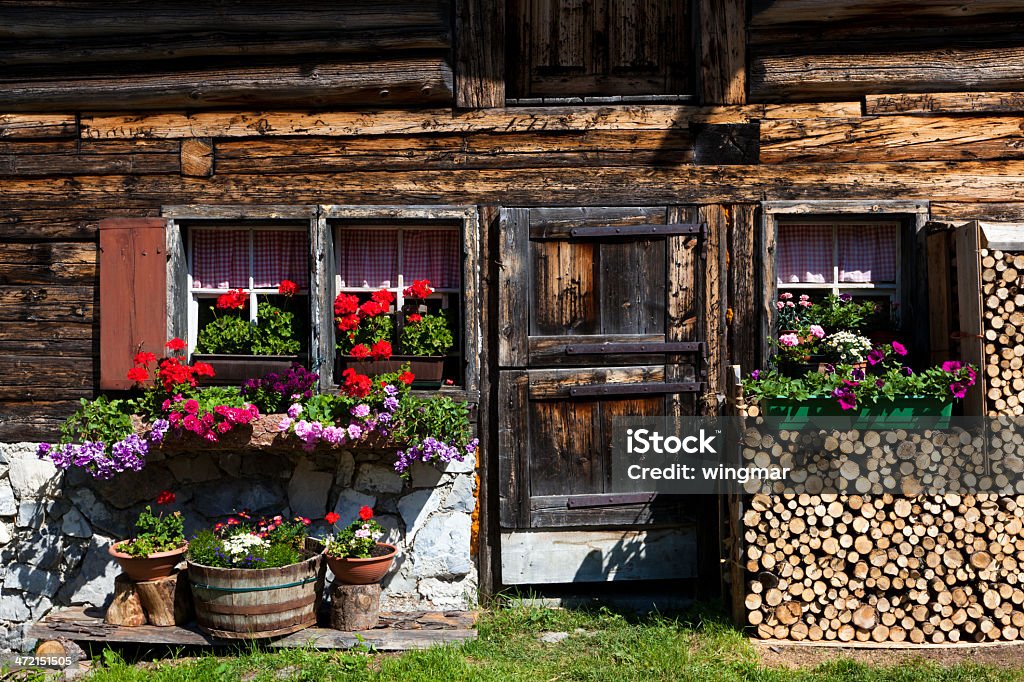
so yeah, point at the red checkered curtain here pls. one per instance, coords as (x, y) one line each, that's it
(434, 255)
(867, 253)
(804, 254)
(220, 259)
(279, 255)
(368, 258)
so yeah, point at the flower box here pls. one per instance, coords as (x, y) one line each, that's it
(233, 370)
(900, 413)
(429, 369)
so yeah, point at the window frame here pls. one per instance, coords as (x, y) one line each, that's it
(319, 219)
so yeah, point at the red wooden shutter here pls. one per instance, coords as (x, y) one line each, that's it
(133, 295)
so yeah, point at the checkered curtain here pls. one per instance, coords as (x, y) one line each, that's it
(433, 255)
(279, 255)
(368, 258)
(220, 259)
(867, 253)
(804, 254)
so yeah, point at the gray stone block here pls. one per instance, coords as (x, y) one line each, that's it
(374, 478)
(441, 547)
(308, 490)
(32, 579)
(348, 505)
(32, 477)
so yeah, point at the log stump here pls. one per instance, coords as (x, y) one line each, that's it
(167, 601)
(355, 607)
(126, 608)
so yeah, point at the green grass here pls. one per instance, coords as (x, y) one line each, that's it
(602, 646)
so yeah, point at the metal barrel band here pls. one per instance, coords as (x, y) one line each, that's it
(218, 588)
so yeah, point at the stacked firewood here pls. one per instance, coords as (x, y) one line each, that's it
(944, 568)
(1003, 323)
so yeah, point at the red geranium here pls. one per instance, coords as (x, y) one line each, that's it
(143, 358)
(138, 375)
(176, 344)
(166, 497)
(406, 378)
(332, 518)
(372, 309)
(233, 300)
(414, 318)
(360, 351)
(381, 350)
(202, 369)
(172, 372)
(348, 322)
(365, 513)
(346, 304)
(287, 288)
(420, 289)
(384, 297)
(356, 385)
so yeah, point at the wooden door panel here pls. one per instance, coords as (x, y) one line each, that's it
(565, 447)
(632, 291)
(563, 298)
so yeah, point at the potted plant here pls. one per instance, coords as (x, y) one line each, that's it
(255, 578)
(884, 393)
(238, 349)
(354, 553)
(157, 547)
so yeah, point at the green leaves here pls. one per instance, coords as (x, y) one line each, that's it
(156, 533)
(101, 419)
(273, 334)
(429, 336)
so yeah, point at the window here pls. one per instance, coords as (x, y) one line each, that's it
(859, 258)
(255, 259)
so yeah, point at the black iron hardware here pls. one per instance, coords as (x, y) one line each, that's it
(637, 389)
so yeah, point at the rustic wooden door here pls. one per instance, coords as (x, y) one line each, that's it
(597, 319)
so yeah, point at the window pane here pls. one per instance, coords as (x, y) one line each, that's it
(433, 255)
(867, 253)
(278, 255)
(220, 259)
(368, 258)
(804, 254)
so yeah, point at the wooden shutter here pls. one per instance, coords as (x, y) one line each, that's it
(133, 294)
(568, 48)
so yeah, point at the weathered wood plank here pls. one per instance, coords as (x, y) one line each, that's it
(48, 372)
(553, 511)
(420, 81)
(65, 223)
(555, 383)
(47, 304)
(682, 298)
(711, 321)
(597, 556)
(892, 138)
(513, 287)
(551, 350)
(946, 103)
(847, 206)
(956, 211)
(486, 150)
(34, 126)
(813, 110)
(512, 434)
(76, 157)
(346, 124)
(741, 314)
(968, 264)
(33, 421)
(479, 53)
(940, 299)
(813, 76)
(197, 157)
(722, 73)
(48, 339)
(779, 12)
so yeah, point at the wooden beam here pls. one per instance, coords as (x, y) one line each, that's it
(722, 75)
(802, 77)
(741, 315)
(436, 121)
(197, 157)
(892, 138)
(84, 157)
(780, 12)
(479, 53)
(34, 126)
(422, 81)
(711, 324)
(946, 103)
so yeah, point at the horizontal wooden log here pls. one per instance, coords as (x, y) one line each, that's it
(812, 110)
(780, 12)
(117, 47)
(47, 304)
(74, 157)
(946, 103)
(67, 223)
(420, 81)
(56, 339)
(346, 124)
(881, 32)
(523, 150)
(892, 138)
(967, 210)
(33, 126)
(556, 383)
(64, 19)
(45, 371)
(803, 77)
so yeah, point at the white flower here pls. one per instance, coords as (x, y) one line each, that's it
(243, 544)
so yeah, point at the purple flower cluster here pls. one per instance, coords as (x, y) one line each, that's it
(127, 454)
(432, 450)
(364, 423)
(277, 391)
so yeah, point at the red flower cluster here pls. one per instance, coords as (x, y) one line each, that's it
(166, 497)
(381, 350)
(171, 371)
(348, 311)
(138, 375)
(420, 289)
(407, 378)
(332, 518)
(360, 351)
(234, 299)
(365, 513)
(143, 358)
(383, 297)
(372, 309)
(287, 288)
(413, 318)
(356, 385)
(176, 344)
(346, 304)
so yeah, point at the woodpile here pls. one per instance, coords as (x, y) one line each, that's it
(886, 568)
(1002, 310)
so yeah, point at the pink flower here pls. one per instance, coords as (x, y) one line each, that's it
(785, 296)
(817, 332)
(958, 389)
(789, 340)
(899, 348)
(876, 356)
(780, 305)
(951, 366)
(789, 304)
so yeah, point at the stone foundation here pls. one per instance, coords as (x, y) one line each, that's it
(55, 527)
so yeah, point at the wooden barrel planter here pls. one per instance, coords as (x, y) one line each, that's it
(238, 603)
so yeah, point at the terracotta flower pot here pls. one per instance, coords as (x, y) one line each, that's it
(156, 565)
(362, 571)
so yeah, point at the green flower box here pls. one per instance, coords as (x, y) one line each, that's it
(899, 413)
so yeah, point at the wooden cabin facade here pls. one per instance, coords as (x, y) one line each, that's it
(616, 170)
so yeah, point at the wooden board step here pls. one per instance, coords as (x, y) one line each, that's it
(395, 632)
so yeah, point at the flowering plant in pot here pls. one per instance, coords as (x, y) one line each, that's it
(354, 553)
(254, 578)
(157, 546)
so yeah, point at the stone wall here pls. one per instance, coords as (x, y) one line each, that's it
(55, 527)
